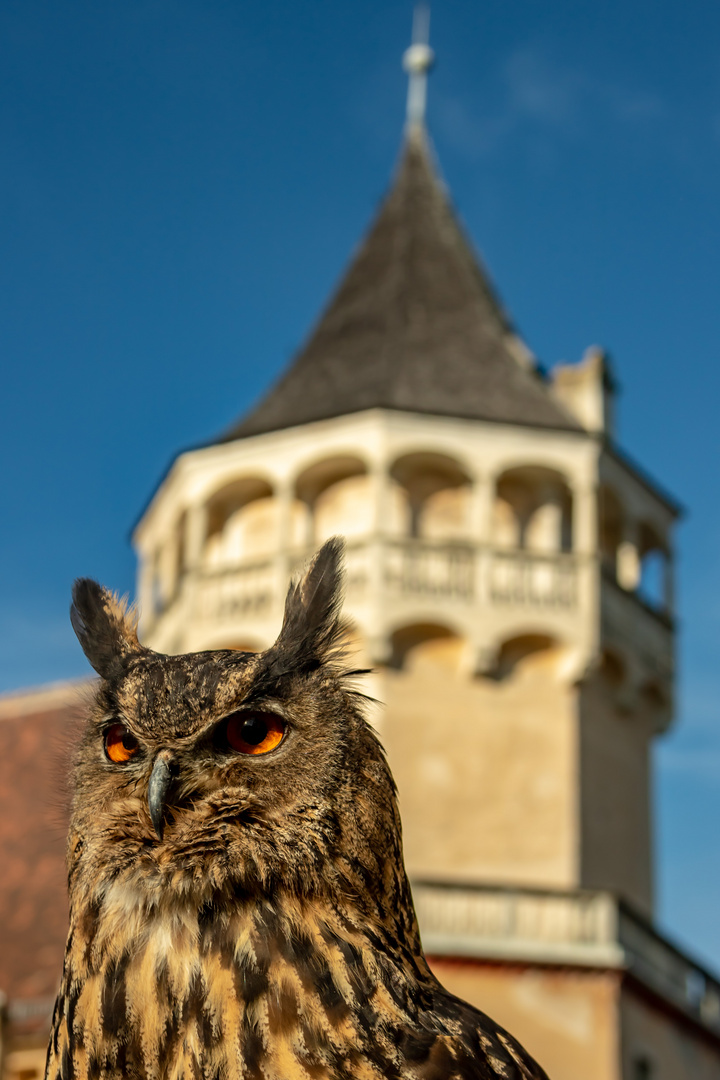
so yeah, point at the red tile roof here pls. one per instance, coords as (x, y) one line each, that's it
(37, 736)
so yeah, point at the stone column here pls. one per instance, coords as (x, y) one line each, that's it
(146, 573)
(482, 496)
(585, 519)
(284, 495)
(375, 560)
(196, 523)
(379, 488)
(585, 568)
(628, 564)
(284, 492)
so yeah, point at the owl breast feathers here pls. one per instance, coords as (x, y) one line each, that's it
(238, 902)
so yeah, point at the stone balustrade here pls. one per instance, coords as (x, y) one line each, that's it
(482, 592)
(459, 572)
(533, 580)
(551, 927)
(240, 592)
(584, 928)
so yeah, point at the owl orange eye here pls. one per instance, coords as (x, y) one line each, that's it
(120, 745)
(253, 732)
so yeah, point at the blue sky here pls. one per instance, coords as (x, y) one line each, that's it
(183, 181)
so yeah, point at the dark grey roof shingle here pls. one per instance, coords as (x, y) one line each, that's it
(414, 325)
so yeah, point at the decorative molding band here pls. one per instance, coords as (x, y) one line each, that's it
(579, 928)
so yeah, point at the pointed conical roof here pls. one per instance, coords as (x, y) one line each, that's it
(414, 326)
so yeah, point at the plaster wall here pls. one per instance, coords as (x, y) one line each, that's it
(674, 1050)
(485, 770)
(568, 1020)
(616, 838)
(26, 1061)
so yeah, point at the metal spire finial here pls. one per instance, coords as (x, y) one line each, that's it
(417, 61)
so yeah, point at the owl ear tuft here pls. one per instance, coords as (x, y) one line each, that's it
(312, 628)
(105, 627)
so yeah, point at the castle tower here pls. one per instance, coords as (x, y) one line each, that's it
(509, 577)
(496, 541)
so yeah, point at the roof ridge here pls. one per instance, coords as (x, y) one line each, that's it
(35, 699)
(414, 323)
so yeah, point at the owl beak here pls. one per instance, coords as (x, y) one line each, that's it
(160, 779)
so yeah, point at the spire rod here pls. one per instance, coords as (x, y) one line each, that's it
(418, 61)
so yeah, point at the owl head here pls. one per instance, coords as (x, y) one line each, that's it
(223, 773)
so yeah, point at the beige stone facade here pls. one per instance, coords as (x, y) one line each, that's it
(586, 1024)
(657, 1042)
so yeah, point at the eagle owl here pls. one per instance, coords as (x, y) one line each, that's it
(238, 902)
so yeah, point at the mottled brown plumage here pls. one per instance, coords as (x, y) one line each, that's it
(236, 913)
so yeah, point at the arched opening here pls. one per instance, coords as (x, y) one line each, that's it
(436, 493)
(533, 510)
(241, 522)
(426, 645)
(652, 579)
(611, 523)
(181, 530)
(174, 559)
(654, 696)
(165, 568)
(168, 566)
(613, 669)
(505, 525)
(656, 703)
(337, 495)
(156, 599)
(527, 653)
(653, 584)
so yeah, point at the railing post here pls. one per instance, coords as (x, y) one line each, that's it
(585, 519)
(627, 562)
